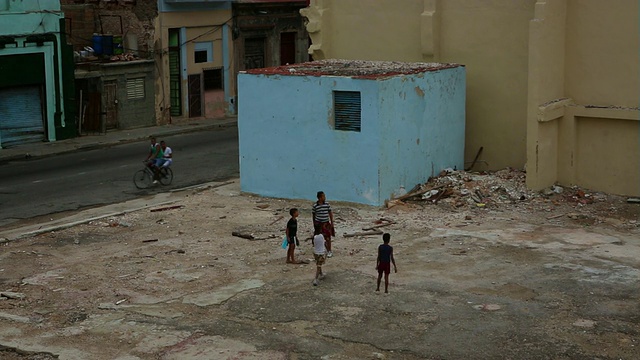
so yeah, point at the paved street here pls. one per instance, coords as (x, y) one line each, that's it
(102, 176)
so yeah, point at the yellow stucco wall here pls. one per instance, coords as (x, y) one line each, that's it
(199, 26)
(488, 37)
(584, 89)
(535, 69)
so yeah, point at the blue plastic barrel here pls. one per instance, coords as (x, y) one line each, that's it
(97, 44)
(107, 44)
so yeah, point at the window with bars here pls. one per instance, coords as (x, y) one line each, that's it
(135, 88)
(347, 110)
(213, 79)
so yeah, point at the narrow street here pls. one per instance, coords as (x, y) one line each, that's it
(103, 176)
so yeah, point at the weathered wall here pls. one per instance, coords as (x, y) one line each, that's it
(303, 153)
(422, 127)
(132, 19)
(584, 81)
(412, 127)
(535, 71)
(204, 25)
(489, 38)
(546, 85)
(27, 23)
(133, 113)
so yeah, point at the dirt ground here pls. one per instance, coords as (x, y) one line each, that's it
(528, 276)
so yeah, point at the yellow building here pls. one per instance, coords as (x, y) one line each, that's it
(553, 86)
(193, 48)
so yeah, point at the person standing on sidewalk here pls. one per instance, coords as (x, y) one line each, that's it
(323, 217)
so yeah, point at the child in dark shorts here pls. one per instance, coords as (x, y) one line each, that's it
(292, 236)
(384, 261)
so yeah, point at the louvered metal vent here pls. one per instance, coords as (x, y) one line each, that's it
(135, 88)
(347, 110)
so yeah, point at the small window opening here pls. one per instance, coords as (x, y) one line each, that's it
(213, 79)
(200, 56)
(135, 88)
(347, 110)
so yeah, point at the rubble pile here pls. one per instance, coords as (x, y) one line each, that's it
(357, 68)
(124, 57)
(460, 188)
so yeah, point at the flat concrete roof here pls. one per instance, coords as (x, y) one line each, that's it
(352, 68)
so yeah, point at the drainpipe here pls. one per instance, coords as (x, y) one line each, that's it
(184, 84)
(227, 70)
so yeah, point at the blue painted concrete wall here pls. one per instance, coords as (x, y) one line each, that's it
(423, 119)
(28, 18)
(23, 18)
(290, 149)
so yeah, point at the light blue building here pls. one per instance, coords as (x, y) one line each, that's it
(357, 130)
(36, 67)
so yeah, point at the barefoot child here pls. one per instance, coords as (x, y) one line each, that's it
(319, 253)
(292, 236)
(384, 261)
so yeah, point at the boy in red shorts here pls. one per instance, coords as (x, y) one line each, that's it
(384, 261)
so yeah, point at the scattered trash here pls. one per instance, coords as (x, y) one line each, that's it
(179, 251)
(167, 208)
(367, 233)
(12, 295)
(487, 307)
(584, 323)
(149, 240)
(379, 223)
(243, 235)
(120, 301)
(250, 236)
(633, 200)
(124, 57)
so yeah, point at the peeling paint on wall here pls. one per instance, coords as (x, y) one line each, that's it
(365, 166)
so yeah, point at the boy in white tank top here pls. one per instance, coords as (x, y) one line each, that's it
(319, 253)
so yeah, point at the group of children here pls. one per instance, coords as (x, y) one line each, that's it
(321, 242)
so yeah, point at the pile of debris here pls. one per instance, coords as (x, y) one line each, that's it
(460, 188)
(124, 57)
(488, 189)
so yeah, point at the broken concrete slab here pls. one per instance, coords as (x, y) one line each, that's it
(221, 295)
(155, 311)
(16, 318)
(12, 295)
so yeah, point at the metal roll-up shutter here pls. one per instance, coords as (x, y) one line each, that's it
(21, 119)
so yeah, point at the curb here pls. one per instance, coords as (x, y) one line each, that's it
(60, 224)
(83, 221)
